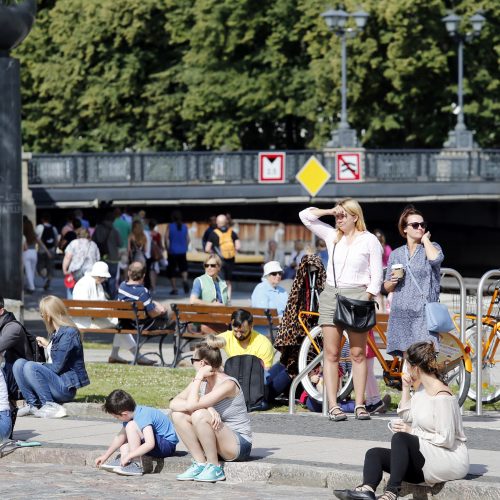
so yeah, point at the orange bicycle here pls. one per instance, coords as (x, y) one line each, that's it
(453, 359)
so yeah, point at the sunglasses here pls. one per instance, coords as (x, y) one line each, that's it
(277, 273)
(211, 265)
(416, 225)
(194, 360)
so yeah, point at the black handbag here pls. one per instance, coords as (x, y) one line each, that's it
(351, 314)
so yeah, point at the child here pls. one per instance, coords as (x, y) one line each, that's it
(146, 431)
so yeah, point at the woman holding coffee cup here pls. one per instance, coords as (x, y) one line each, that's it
(428, 445)
(413, 277)
(357, 256)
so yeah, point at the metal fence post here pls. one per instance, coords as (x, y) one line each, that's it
(479, 344)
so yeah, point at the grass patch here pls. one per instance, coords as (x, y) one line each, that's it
(96, 345)
(148, 385)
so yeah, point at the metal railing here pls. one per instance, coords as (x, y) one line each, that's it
(242, 167)
(479, 343)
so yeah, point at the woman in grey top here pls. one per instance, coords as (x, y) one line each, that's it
(210, 416)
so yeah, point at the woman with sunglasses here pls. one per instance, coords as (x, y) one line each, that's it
(355, 271)
(421, 260)
(268, 294)
(210, 416)
(209, 288)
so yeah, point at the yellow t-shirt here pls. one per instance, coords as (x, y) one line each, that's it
(258, 346)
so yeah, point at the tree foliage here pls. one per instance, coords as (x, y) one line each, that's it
(249, 74)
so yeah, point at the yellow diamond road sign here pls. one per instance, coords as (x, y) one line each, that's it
(313, 176)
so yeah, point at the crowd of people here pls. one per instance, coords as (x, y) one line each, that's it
(119, 259)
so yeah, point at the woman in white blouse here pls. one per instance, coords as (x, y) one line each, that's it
(429, 441)
(357, 256)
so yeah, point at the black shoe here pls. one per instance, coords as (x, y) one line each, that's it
(375, 407)
(354, 495)
(173, 292)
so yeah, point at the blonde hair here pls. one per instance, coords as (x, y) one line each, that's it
(209, 350)
(352, 207)
(81, 232)
(55, 314)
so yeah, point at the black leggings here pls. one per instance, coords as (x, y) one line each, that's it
(403, 461)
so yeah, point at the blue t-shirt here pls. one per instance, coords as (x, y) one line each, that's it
(131, 293)
(177, 239)
(161, 424)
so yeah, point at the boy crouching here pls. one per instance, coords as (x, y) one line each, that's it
(146, 431)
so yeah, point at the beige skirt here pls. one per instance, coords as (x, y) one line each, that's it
(328, 301)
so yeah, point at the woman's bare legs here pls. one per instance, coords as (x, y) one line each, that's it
(331, 348)
(186, 431)
(357, 346)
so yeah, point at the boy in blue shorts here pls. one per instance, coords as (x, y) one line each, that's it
(146, 431)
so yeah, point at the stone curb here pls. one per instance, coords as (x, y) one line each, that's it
(256, 470)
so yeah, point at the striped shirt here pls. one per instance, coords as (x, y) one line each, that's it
(233, 411)
(131, 293)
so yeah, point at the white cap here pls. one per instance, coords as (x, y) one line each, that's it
(272, 267)
(100, 270)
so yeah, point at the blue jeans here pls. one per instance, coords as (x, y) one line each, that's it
(110, 284)
(277, 380)
(5, 425)
(40, 385)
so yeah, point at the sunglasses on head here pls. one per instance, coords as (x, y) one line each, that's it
(210, 265)
(277, 273)
(194, 360)
(416, 225)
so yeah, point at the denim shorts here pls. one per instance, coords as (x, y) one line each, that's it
(5, 425)
(244, 448)
(163, 448)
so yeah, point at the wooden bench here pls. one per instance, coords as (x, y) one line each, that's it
(118, 309)
(186, 314)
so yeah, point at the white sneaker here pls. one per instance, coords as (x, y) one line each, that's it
(51, 410)
(26, 410)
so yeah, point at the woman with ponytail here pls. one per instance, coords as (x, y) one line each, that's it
(428, 445)
(420, 283)
(210, 416)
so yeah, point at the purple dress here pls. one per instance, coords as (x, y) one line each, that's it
(407, 323)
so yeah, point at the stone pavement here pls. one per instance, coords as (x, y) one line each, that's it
(303, 450)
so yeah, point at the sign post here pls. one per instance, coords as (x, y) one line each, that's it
(272, 167)
(348, 167)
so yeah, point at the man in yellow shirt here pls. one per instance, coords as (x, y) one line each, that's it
(242, 339)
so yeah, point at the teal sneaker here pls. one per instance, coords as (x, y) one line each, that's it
(211, 473)
(191, 473)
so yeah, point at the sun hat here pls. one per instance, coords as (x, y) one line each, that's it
(100, 270)
(272, 267)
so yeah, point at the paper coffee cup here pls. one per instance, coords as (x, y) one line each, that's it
(397, 271)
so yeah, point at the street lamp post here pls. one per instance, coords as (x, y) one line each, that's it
(344, 136)
(461, 137)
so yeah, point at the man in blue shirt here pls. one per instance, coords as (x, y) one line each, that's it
(145, 431)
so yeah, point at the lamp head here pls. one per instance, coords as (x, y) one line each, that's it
(451, 21)
(477, 21)
(335, 18)
(360, 17)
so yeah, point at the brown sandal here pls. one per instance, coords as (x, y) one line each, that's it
(335, 414)
(361, 413)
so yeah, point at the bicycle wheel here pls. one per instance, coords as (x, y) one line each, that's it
(451, 362)
(491, 372)
(307, 353)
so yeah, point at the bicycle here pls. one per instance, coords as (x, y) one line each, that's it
(453, 360)
(490, 343)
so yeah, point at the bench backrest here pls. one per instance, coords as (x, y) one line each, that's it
(106, 309)
(197, 313)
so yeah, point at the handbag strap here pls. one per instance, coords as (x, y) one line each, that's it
(333, 265)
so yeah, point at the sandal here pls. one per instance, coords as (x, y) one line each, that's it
(335, 414)
(361, 413)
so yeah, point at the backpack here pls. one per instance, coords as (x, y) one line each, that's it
(249, 372)
(226, 244)
(48, 236)
(37, 351)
